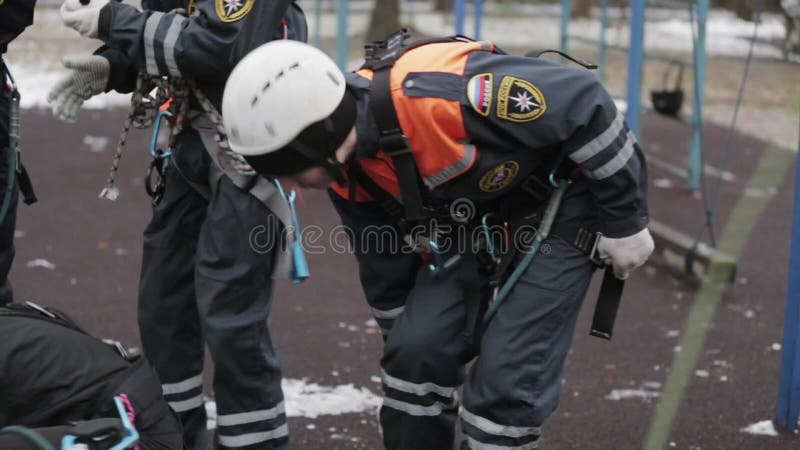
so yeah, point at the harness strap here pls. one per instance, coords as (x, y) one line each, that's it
(392, 140)
(389, 204)
(394, 143)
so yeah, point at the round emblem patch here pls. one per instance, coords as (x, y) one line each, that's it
(499, 176)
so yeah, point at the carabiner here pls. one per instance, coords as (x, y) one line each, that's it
(154, 151)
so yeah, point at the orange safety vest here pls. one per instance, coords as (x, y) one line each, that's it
(433, 126)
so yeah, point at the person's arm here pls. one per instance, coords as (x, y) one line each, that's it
(15, 16)
(540, 104)
(122, 74)
(204, 46)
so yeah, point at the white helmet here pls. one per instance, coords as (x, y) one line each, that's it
(285, 108)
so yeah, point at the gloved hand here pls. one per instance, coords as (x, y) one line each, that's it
(625, 254)
(83, 18)
(89, 77)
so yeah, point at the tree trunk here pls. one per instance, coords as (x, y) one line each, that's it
(441, 5)
(581, 8)
(744, 9)
(385, 19)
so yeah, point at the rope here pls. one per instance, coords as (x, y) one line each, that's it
(28, 434)
(541, 234)
(237, 161)
(144, 108)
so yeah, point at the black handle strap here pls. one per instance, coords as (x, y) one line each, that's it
(581, 62)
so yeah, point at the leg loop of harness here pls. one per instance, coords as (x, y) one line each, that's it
(542, 232)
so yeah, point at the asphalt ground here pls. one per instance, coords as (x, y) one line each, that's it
(611, 391)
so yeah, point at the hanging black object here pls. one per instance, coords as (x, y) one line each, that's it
(669, 102)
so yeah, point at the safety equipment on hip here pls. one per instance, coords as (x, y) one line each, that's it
(82, 16)
(626, 254)
(88, 78)
(286, 109)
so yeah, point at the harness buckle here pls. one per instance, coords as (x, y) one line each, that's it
(394, 143)
(593, 256)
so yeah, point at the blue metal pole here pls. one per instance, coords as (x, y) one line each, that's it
(603, 28)
(461, 13)
(341, 34)
(696, 143)
(478, 18)
(566, 16)
(633, 91)
(317, 40)
(789, 388)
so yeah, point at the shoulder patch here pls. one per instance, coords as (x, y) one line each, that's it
(499, 176)
(519, 100)
(232, 10)
(479, 93)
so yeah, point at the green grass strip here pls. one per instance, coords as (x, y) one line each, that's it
(765, 181)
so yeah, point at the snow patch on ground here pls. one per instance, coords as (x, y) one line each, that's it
(625, 394)
(311, 400)
(763, 428)
(43, 263)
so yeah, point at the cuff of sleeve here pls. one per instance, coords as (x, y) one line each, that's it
(620, 228)
(104, 21)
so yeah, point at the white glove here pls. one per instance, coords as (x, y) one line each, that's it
(89, 77)
(625, 254)
(82, 18)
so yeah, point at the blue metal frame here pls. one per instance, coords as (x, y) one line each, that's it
(698, 99)
(633, 90)
(566, 17)
(601, 62)
(789, 389)
(460, 9)
(478, 16)
(342, 12)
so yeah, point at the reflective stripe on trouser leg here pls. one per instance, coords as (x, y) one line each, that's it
(515, 382)
(235, 290)
(423, 364)
(168, 320)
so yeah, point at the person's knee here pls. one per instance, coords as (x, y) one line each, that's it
(422, 351)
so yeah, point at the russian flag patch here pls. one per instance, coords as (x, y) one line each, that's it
(479, 93)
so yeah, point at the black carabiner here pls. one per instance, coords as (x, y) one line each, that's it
(156, 177)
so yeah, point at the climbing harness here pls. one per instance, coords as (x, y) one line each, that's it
(548, 187)
(104, 429)
(17, 174)
(13, 138)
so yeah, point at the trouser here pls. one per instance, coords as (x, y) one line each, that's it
(8, 222)
(203, 280)
(513, 385)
